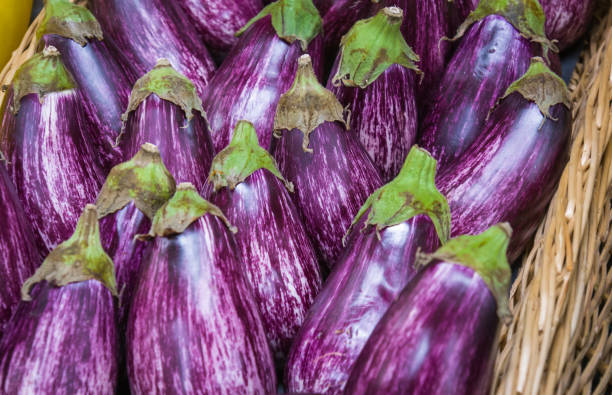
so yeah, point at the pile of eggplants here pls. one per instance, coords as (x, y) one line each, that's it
(254, 196)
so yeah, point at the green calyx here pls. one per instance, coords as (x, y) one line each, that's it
(411, 193)
(371, 47)
(292, 20)
(185, 207)
(69, 20)
(541, 86)
(241, 158)
(143, 179)
(80, 258)
(43, 73)
(307, 104)
(485, 253)
(527, 16)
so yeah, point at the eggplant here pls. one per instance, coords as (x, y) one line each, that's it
(62, 338)
(166, 111)
(19, 256)
(331, 171)
(148, 30)
(50, 156)
(495, 51)
(438, 337)
(260, 68)
(280, 263)
(406, 215)
(99, 70)
(376, 79)
(511, 171)
(567, 20)
(193, 326)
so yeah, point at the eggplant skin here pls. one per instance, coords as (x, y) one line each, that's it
(567, 20)
(62, 342)
(491, 56)
(19, 256)
(510, 172)
(360, 288)
(280, 263)
(444, 347)
(193, 326)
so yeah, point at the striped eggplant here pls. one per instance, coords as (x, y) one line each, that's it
(19, 256)
(280, 262)
(376, 79)
(216, 21)
(260, 68)
(98, 68)
(193, 326)
(165, 110)
(405, 215)
(567, 20)
(438, 337)
(62, 338)
(49, 154)
(511, 171)
(331, 171)
(148, 30)
(495, 51)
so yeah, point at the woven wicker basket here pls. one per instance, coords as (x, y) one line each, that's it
(560, 340)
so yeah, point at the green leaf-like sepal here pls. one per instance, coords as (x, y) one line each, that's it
(80, 258)
(486, 254)
(143, 179)
(43, 73)
(69, 20)
(241, 158)
(292, 20)
(541, 86)
(371, 47)
(411, 193)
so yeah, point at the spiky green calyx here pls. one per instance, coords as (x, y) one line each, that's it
(144, 179)
(371, 47)
(486, 254)
(542, 86)
(241, 158)
(80, 258)
(411, 193)
(43, 73)
(292, 19)
(69, 20)
(307, 104)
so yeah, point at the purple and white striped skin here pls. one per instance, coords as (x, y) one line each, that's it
(280, 263)
(62, 338)
(165, 111)
(50, 158)
(148, 30)
(247, 86)
(19, 255)
(511, 171)
(438, 337)
(567, 20)
(193, 326)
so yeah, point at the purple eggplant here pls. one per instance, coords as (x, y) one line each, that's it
(405, 215)
(99, 70)
(193, 326)
(166, 111)
(376, 79)
(331, 171)
(438, 337)
(260, 68)
(50, 157)
(19, 256)
(62, 338)
(491, 55)
(567, 20)
(148, 30)
(511, 171)
(280, 262)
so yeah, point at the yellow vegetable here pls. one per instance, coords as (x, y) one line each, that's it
(14, 20)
